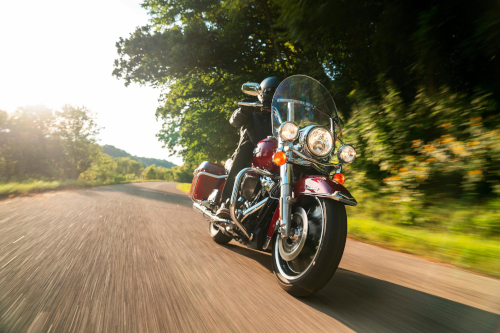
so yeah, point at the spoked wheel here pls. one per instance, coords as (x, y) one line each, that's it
(217, 235)
(306, 260)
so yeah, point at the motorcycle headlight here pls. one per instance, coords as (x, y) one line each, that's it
(288, 131)
(346, 154)
(320, 141)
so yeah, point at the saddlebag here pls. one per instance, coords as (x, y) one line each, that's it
(203, 184)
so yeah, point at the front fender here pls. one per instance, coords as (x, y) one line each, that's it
(321, 186)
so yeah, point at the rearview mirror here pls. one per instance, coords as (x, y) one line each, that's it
(251, 88)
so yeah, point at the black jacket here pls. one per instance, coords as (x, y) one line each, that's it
(254, 124)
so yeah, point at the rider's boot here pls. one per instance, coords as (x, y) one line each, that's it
(223, 212)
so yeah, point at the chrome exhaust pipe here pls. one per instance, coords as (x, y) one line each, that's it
(225, 223)
(208, 214)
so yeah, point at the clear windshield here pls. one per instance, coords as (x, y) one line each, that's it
(304, 101)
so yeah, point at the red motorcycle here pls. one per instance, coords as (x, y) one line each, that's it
(287, 198)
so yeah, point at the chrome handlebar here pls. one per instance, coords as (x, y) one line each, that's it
(254, 104)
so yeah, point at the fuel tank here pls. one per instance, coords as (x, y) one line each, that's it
(203, 185)
(263, 155)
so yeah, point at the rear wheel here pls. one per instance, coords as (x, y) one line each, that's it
(307, 260)
(217, 235)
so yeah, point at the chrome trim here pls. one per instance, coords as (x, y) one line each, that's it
(234, 194)
(289, 256)
(267, 183)
(201, 173)
(296, 101)
(276, 113)
(291, 111)
(312, 160)
(266, 244)
(290, 100)
(253, 209)
(286, 172)
(251, 88)
(254, 104)
(208, 214)
(337, 195)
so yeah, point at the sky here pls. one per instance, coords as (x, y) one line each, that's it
(57, 52)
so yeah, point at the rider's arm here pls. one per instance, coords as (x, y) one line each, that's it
(240, 116)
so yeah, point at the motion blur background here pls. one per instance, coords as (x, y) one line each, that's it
(417, 83)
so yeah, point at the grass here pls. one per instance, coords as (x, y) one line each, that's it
(184, 187)
(472, 252)
(15, 189)
(466, 251)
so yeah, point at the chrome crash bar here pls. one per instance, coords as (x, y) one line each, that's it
(234, 195)
(198, 204)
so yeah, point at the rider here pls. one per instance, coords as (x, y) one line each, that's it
(255, 125)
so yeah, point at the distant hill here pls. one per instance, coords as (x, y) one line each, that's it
(115, 152)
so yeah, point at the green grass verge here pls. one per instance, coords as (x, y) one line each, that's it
(15, 189)
(466, 251)
(184, 187)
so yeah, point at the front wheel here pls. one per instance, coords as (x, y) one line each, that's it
(311, 262)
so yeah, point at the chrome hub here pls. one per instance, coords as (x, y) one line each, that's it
(291, 246)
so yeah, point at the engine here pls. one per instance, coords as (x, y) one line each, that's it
(250, 187)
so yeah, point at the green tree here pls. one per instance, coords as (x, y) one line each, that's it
(76, 129)
(201, 56)
(398, 71)
(150, 173)
(28, 148)
(126, 166)
(36, 142)
(103, 169)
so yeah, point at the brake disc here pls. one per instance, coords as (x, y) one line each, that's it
(291, 246)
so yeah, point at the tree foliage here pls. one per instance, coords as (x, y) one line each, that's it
(37, 142)
(399, 71)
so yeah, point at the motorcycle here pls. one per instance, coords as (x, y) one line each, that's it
(292, 199)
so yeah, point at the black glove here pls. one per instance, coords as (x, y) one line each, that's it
(247, 109)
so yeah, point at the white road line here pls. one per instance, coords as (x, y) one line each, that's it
(18, 240)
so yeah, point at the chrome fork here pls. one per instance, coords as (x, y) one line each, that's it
(286, 199)
(286, 170)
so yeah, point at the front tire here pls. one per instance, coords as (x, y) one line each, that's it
(218, 236)
(319, 258)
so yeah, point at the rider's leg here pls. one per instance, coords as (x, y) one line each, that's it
(242, 159)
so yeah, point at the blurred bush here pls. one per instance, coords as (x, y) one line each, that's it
(456, 216)
(443, 145)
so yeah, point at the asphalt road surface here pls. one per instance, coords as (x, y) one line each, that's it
(137, 258)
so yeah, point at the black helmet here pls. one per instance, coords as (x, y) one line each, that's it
(268, 87)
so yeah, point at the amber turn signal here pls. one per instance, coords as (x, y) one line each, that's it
(279, 158)
(339, 178)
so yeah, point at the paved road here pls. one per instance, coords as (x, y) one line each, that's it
(137, 258)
